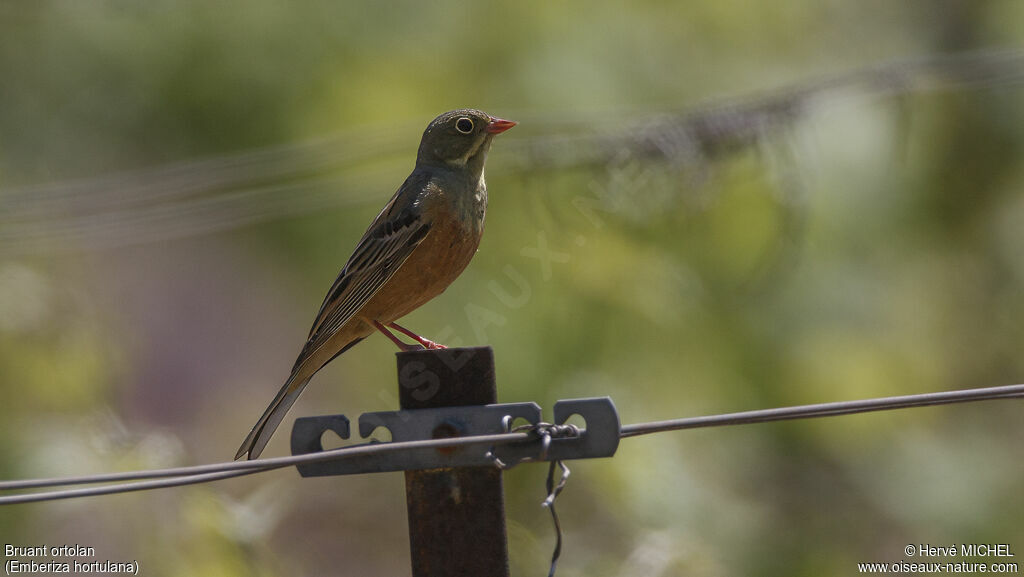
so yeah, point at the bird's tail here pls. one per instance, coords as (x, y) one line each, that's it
(272, 417)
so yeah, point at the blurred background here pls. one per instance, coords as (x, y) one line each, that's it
(707, 207)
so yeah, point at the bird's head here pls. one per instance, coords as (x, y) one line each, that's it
(460, 139)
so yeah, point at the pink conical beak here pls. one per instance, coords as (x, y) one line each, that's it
(497, 125)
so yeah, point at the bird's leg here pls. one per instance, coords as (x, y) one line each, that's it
(404, 347)
(427, 343)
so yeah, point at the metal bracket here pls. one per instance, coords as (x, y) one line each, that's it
(600, 438)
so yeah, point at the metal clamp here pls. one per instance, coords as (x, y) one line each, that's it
(599, 438)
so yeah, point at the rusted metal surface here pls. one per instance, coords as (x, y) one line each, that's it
(456, 516)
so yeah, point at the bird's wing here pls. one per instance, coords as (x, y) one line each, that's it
(385, 246)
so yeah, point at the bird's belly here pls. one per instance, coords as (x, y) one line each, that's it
(439, 259)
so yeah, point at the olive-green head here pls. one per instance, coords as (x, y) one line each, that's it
(460, 139)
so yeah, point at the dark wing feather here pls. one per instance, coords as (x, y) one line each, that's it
(393, 236)
(380, 253)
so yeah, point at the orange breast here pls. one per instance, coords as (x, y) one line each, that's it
(438, 260)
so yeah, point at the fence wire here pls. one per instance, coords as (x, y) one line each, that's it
(162, 478)
(226, 192)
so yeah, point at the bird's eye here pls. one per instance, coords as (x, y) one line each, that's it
(464, 125)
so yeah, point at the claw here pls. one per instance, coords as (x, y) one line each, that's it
(423, 343)
(427, 343)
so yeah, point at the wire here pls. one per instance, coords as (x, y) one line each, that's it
(826, 410)
(217, 471)
(554, 489)
(225, 192)
(161, 478)
(123, 488)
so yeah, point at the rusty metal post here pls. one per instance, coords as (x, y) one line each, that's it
(456, 516)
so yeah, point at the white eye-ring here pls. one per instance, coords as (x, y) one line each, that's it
(464, 125)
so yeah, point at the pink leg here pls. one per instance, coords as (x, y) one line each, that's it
(427, 343)
(393, 338)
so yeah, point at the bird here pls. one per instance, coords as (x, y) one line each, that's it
(419, 243)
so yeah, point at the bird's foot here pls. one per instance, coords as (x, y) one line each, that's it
(427, 343)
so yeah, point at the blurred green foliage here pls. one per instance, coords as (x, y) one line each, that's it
(869, 246)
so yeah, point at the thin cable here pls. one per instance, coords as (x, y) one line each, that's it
(826, 410)
(124, 488)
(543, 432)
(553, 491)
(216, 471)
(225, 192)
